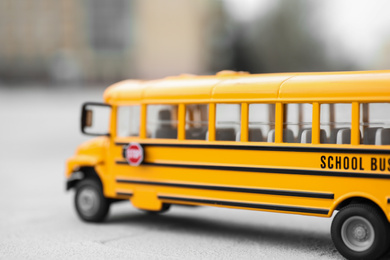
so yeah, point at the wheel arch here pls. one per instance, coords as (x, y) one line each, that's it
(83, 173)
(358, 199)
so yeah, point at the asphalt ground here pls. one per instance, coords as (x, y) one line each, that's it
(39, 130)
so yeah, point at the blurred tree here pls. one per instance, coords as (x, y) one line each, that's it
(286, 39)
(222, 34)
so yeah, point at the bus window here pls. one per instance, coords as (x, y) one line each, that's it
(335, 123)
(197, 122)
(162, 121)
(128, 120)
(261, 122)
(228, 122)
(375, 123)
(297, 126)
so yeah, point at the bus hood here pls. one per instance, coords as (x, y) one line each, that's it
(93, 147)
(89, 153)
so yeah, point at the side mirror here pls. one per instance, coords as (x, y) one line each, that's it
(95, 119)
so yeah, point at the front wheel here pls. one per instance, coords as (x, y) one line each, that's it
(90, 203)
(360, 232)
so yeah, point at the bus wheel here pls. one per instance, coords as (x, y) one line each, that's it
(90, 203)
(165, 208)
(360, 232)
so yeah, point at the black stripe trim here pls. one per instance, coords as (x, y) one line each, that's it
(268, 170)
(121, 162)
(249, 205)
(120, 193)
(305, 194)
(270, 148)
(388, 200)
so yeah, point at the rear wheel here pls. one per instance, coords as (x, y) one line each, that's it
(90, 203)
(360, 232)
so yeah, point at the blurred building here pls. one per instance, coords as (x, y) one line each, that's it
(100, 40)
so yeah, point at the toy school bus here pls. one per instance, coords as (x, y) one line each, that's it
(301, 143)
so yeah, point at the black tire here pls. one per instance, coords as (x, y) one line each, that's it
(89, 201)
(360, 231)
(165, 207)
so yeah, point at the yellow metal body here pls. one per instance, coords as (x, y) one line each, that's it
(279, 177)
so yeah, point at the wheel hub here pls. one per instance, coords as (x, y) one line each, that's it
(88, 202)
(357, 233)
(360, 233)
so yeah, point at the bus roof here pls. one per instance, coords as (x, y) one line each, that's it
(229, 86)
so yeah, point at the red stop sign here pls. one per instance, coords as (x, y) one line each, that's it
(134, 154)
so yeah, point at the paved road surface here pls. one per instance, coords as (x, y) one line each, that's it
(39, 129)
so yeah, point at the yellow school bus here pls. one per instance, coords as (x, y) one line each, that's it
(299, 143)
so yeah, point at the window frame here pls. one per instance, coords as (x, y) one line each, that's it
(354, 121)
(286, 123)
(144, 118)
(117, 120)
(245, 116)
(215, 121)
(183, 118)
(244, 119)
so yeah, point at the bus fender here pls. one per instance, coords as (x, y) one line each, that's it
(74, 163)
(81, 167)
(357, 197)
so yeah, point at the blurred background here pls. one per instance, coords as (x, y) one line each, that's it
(100, 41)
(57, 54)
